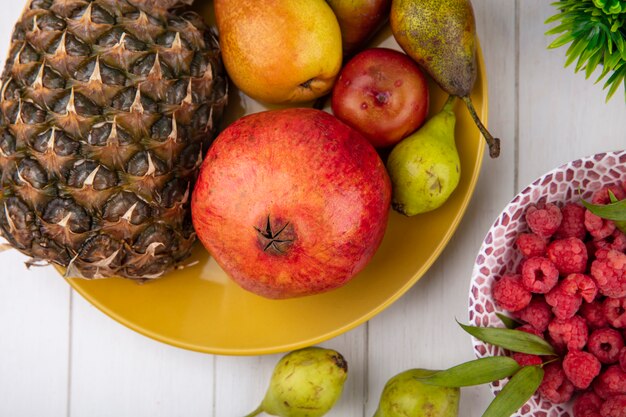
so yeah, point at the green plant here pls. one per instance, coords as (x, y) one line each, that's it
(596, 32)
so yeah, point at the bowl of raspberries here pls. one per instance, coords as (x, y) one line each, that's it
(559, 272)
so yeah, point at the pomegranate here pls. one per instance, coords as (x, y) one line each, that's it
(291, 202)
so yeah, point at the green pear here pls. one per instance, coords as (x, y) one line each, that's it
(405, 395)
(305, 383)
(425, 168)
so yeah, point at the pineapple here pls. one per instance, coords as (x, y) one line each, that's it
(106, 109)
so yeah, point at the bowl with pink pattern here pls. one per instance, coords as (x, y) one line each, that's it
(497, 256)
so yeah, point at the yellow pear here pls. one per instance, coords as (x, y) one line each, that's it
(280, 51)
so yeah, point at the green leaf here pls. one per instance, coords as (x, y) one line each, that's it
(593, 63)
(509, 322)
(615, 211)
(614, 86)
(620, 224)
(619, 41)
(614, 81)
(559, 29)
(477, 372)
(575, 50)
(514, 340)
(516, 392)
(562, 40)
(553, 18)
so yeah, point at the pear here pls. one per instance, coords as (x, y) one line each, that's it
(305, 383)
(425, 168)
(359, 20)
(280, 51)
(441, 37)
(404, 395)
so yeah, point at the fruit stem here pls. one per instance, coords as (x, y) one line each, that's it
(493, 143)
(449, 103)
(256, 412)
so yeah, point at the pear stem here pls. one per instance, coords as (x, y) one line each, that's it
(449, 103)
(256, 412)
(493, 143)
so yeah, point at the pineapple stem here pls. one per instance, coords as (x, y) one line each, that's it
(256, 412)
(493, 143)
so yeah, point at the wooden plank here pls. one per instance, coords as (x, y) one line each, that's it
(419, 331)
(241, 382)
(117, 372)
(562, 115)
(34, 318)
(34, 324)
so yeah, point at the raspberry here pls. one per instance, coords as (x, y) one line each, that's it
(602, 254)
(615, 311)
(539, 275)
(597, 226)
(510, 294)
(524, 359)
(538, 314)
(573, 223)
(531, 245)
(602, 195)
(530, 329)
(565, 299)
(579, 285)
(587, 404)
(581, 368)
(614, 407)
(617, 241)
(544, 221)
(555, 386)
(609, 271)
(605, 344)
(610, 382)
(594, 314)
(622, 359)
(570, 332)
(568, 255)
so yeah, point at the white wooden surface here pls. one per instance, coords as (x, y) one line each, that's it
(61, 357)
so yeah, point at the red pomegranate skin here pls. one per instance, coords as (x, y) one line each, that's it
(291, 202)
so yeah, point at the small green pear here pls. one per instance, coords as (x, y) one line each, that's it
(405, 395)
(425, 168)
(305, 383)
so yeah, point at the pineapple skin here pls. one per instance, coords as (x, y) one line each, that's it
(106, 110)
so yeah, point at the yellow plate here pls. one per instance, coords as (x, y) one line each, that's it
(200, 308)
